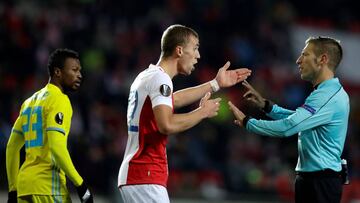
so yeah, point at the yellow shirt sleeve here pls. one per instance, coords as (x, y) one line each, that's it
(57, 128)
(59, 115)
(57, 144)
(14, 145)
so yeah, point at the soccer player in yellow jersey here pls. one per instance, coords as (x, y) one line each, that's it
(43, 126)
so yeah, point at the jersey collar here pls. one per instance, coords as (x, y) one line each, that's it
(54, 88)
(156, 66)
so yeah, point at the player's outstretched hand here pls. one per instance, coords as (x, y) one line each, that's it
(84, 194)
(253, 95)
(227, 78)
(12, 197)
(210, 106)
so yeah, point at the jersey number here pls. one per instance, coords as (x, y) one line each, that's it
(133, 103)
(35, 126)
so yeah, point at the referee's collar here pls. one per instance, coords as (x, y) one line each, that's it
(326, 82)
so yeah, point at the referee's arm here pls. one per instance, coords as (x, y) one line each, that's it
(299, 121)
(277, 112)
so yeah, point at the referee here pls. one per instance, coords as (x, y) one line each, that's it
(321, 122)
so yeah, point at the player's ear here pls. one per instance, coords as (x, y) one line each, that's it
(179, 51)
(57, 72)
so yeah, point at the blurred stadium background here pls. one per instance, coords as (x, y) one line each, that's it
(214, 161)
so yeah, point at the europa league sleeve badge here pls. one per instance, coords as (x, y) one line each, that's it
(59, 117)
(165, 90)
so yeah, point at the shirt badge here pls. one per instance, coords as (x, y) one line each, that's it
(59, 117)
(165, 90)
(309, 108)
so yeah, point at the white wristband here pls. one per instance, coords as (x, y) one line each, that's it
(214, 85)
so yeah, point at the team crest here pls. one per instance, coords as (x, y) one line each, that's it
(59, 117)
(165, 90)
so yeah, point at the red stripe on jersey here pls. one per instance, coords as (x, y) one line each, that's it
(149, 164)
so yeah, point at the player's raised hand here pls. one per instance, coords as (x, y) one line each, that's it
(210, 106)
(252, 95)
(227, 78)
(239, 115)
(84, 194)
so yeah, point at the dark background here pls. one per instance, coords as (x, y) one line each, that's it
(118, 39)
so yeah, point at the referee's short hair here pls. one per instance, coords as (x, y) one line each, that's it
(58, 57)
(329, 46)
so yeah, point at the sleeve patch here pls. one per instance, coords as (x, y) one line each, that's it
(59, 118)
(309, 108)
(165, 90)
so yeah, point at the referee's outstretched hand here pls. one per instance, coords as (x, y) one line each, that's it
(252, 95)
(12, 197)
(84, 194)
(239, 115)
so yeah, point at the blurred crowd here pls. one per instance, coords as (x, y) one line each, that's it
(118, 39)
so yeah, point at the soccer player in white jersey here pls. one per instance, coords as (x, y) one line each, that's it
(143, 173)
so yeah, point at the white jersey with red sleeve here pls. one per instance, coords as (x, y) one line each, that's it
(145, 160)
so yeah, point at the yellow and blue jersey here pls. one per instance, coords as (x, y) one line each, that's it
(46, 111)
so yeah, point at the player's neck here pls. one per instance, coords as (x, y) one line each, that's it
(169, 66)
(56, 83)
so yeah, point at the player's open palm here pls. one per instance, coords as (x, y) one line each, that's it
(210, 107)
(227, 78)
(252, 95)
